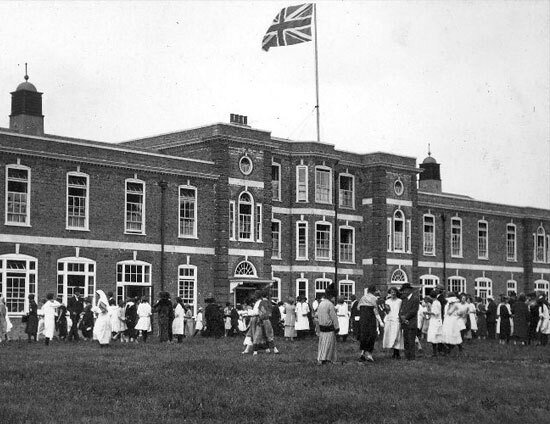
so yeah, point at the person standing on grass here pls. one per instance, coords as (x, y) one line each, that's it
(328, 327)
(75, 306)
(533, 318)
(113, 318)
(263, 331)
(463, 315)
(144, 313)
(122, 327)
(213, 317)
(3, 320)
(491, 318)
(393, 336)
(199, 322)
(343, 318)
(102, 326)
(369, 320)
(131, 316)
(504, 321)
(481, 310)
(408, 316)
(290, 319)
(543, 326)
(86, 323)
(302, 321)
(472, 317)
(354, 317)
(521, 316)
(451, 324)
(32, 319)
(61, 320)
(435, 326)
(50, 313)
(163, 307)
(178, 323)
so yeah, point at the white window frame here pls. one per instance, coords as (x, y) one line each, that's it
(248, 264)
(306, 227)
(276, 253)
(542, 286)
(511, 286)
(399, 237)
(395, 273)
(350, 292)
(426, 236)
(258, 229)
(146, 276)
(182, 219)
(408, 240)
(232, 226)
(184, 279)
(321, 258)
(428, 282)
(461, 281)
(302, 186)
(29, 273)
(511, 230)
(252, 215)
(306, 288)
(276, 282)
(459, 226)
(89, 275)
(276, 188)
(548, 248)
(320, 195)
(341, 247)
(345, 194)
(540, 234)
(483, 287)
(481, 254)
(321, 285)
(86, 226)
(27, 222)
(389, 234)
(126, 210)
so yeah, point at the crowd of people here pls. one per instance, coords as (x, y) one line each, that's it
(399, 319)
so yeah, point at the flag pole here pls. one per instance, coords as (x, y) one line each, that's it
(316, 73)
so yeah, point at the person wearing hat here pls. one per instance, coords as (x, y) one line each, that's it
(102, 326)
(213, 316)
(144, 313)
(435, 326)
(32, 319)
(198, 321)
(393, 336)
(163, 307)
(328, 327)
(408, 317)
(302, 320)
(369, 322)
(543, 326)
(49, 309)
(75, 306)
(179, 321)
(504, 320)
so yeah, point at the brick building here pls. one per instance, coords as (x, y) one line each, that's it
(226, 208)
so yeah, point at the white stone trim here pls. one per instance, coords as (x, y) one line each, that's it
(245, 183)
(257, 253)
(367, 201)
(315, 268)
(471, 267)
(396, 261)
(316, 211)
(398, 202)
(541, 270)
(104, 244)
(367, 261)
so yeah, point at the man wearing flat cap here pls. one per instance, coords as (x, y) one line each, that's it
(408, 317)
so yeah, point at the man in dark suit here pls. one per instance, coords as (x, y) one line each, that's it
(75, 306)
(491, 317)
(408, 317)
(440, 295)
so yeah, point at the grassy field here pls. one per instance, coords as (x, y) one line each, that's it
(206, 380)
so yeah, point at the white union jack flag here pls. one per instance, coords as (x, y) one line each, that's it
(291, 26)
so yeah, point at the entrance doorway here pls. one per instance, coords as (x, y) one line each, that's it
(132, 290)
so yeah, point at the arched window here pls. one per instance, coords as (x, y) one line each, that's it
(399, 276)
(75, 273)
(483, 288)
(456, 285)
(133, 279)
(540, 245)
(246, 203)
(17, 281)
(542, 287)
(428, 283)
(245, 269)
(398, 231)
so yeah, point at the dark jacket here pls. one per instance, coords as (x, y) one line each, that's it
(409, 311)
(75, 306)
(491, 312)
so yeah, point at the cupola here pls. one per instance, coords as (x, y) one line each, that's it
(26, 109)
(430, 179)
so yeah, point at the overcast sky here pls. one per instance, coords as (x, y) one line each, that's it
(471, 78)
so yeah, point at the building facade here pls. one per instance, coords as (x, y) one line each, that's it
(226, 209)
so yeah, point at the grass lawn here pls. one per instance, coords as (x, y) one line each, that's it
(206, 380)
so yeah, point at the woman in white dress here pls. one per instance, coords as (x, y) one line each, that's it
(342, 313)
(302, 320)
(144, 318)
(113, 318)
(177, 323)
(543, 326)
(102, 326)
(472, 314)
(198, 321)
(393, 337)
(49, 310)
(453, 323)
(435, 325)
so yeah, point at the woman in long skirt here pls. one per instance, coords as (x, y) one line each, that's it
(290, 319)
(328, 327)
(369, 320)
(543, 326)
(473, 317)
(32, 319)
(188, 322)
(49, 310)
(452, 324)
(504, 320)
(113, 317)
(102, 326)
(393, 338)
(3, 320)
(302, 321)
(343, 318)
(435, 325)
(143, 325)
(61, 321)
(199, 325)
(178, 323)
(521, 316)
(481, 310)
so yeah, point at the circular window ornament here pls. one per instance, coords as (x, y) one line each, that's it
(398, 187)
(245, 165)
